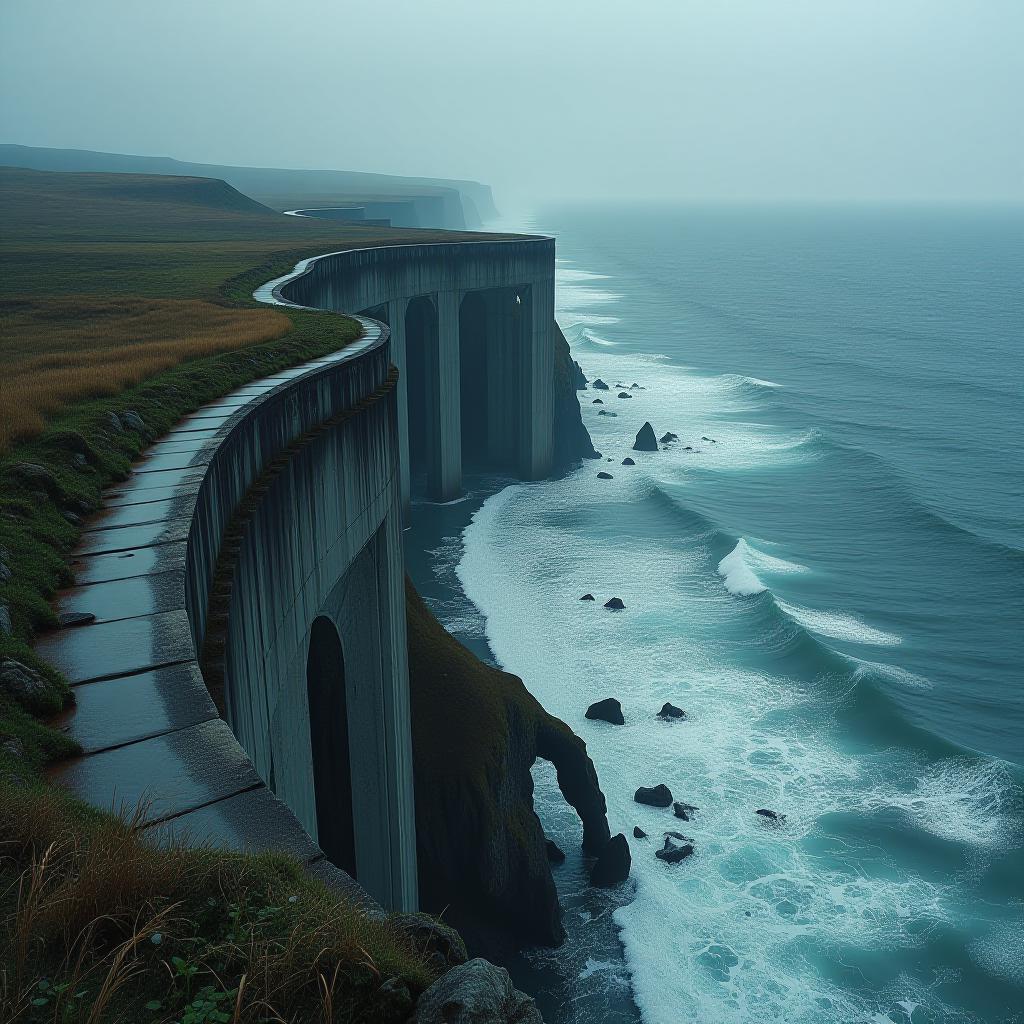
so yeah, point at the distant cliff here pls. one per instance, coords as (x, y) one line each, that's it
(476, 733)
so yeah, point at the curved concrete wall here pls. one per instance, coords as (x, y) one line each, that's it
(274, 506)
(279, 507)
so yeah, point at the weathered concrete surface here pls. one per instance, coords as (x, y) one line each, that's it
(323, 540)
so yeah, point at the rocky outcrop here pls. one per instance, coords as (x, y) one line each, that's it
(654, 796)
(570, 437)
(483, 858)
(607, 710)
(613, 864)
(476, 992)
(669, 712)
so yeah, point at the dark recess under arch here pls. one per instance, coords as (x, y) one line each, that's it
(328, 733)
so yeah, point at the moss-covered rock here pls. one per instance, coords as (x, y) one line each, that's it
(476, 733)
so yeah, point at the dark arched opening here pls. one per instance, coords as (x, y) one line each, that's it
(474, 383)
(421, 373)
(328, 732)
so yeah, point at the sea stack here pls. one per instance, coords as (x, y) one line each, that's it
(646, 439)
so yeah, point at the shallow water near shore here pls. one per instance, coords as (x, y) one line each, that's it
(830, 581)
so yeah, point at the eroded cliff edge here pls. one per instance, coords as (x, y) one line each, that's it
(476, 733)
(571, 439)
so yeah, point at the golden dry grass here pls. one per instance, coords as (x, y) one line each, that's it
(56, 351)
(88, 906)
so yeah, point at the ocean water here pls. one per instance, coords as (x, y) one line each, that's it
(826, 572)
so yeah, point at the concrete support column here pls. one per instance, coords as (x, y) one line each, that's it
(404, 885)
(538, 382)
(396, 321)
(445, 472)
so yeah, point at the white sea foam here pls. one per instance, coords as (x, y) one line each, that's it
(839, 625)
(1001, 950)
(965, 801)
(739, 578)
(739, 569)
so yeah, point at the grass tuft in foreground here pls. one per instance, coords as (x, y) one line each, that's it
(97, 924)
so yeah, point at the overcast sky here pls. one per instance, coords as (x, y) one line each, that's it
(718, 99)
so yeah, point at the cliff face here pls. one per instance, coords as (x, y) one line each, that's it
(476, 732)
(571, 439)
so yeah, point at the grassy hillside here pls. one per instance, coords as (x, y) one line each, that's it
(90, 261)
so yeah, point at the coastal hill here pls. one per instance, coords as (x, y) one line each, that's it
(406, 202)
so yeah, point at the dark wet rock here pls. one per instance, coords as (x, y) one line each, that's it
(635, 386)
(393, 1000)
(604, 476)
(79, 460)
(688, 448)
(68, 619)
(668, 437)
(614, 604)
(609, 459)
(675, 849)
(607, 710)
(613, 863)
(37, 477)
(638, 832)
(683, 811)
(599, 384)
(476, 992)
(5, 565)
(72, 517)
(625, 394)
(579, 379)
(773, 817)
(554, 852)
(430, 936)
(21, 683)
(676, 835)
(628, 461)
(605, 412)
(597, 401)
(711, 439)
(670, 711)
(587, 597)
(596, 455)
(646, 441)
(654, 796)
(114, 422)
(133, 421)
(570, 437)
(5, 620)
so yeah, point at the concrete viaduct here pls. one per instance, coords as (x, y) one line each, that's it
(244, 677)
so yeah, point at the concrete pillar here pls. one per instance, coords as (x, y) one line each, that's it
(538, 382)
(444, 478)
(396, 321)
(404, 885)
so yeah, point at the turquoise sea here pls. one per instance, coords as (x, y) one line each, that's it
(826, 572)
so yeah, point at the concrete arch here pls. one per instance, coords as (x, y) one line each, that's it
(329, 744)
